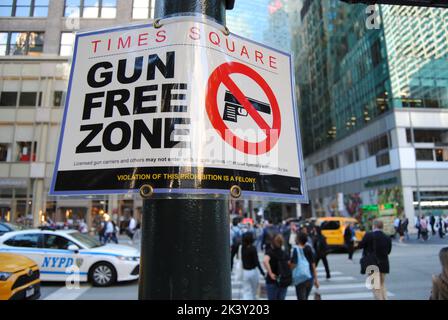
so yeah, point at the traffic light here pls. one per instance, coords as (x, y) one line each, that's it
(421, 3)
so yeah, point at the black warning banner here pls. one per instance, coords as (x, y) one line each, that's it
(175, 178)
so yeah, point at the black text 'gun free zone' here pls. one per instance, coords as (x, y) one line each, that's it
(233, 109)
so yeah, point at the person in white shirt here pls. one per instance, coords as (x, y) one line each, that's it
(396, 225)
(131, 228)
(109, 232)
(83, 227)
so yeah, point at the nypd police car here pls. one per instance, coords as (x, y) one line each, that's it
(67, 255)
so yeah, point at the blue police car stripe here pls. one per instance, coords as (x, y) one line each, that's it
(65, 273)
(58, 251)
(32, 250)
(101, 254)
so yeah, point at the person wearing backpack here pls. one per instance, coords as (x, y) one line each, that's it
(304, 268)
(236, 239)
(321, 248)
(279, 275)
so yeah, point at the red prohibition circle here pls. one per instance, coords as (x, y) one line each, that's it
(221, 75)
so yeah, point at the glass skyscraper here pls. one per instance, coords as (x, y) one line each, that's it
(264, 21)
(349, 74)
(373, 104)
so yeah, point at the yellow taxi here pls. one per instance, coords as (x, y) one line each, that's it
(333, 229)
(19, 278)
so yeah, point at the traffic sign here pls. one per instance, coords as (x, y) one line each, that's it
(221, 75)
(183, 108)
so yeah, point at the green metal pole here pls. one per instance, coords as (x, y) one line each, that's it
(185, 251)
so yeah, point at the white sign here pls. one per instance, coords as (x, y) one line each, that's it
(184, 108)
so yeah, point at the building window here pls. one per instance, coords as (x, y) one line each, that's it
(8, 98)
(21, 43)
(408, 136)
(26, 151)
(91, 8)
(356, 154)
(424, 154)
(4, 152)
(430, 136)
(58, 98)
(67, 41)
(332, 163)
(30, 99)
(442, 155)
(382, 159)
(348, 155)
(376, 145)
(143, 9)
(24, 8)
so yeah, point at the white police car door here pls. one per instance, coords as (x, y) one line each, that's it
(57, 261)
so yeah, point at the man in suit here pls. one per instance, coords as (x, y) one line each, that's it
(349, 235)
(378, 245)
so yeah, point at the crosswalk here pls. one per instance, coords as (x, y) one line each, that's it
(339, 287)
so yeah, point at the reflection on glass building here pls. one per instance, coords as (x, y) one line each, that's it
(374, 108)
(264, 21)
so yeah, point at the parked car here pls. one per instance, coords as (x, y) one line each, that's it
(19, 278)
(8, 227)
(61, 253)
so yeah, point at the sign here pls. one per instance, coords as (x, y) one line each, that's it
(386, 212)
(221, 76)
(184, 108)
(372, 184)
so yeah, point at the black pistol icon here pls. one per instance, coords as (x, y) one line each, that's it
(233, 109)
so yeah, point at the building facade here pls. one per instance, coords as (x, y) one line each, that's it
(36, 38)
(374, 108)
(264, 21)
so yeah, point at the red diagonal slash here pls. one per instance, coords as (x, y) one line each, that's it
(221, 76)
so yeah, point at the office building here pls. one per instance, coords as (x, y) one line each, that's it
(373, 105)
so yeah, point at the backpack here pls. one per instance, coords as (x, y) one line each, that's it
(236, 236)
(301, 272)
(284, 276)
(321, 246)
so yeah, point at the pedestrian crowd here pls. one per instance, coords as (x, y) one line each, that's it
(291, 256)
(108, 230)
(431, 226)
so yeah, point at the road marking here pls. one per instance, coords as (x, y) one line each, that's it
(337, 279)
(348, 296)
(333, 273)
(67, 294)
(401, 244)
(342, 286)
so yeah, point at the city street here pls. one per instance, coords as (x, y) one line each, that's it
(189, 131)
(412, 265)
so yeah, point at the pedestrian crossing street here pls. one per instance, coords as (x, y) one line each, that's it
(339, 287)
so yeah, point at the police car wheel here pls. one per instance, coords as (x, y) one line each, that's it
(103, 274)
